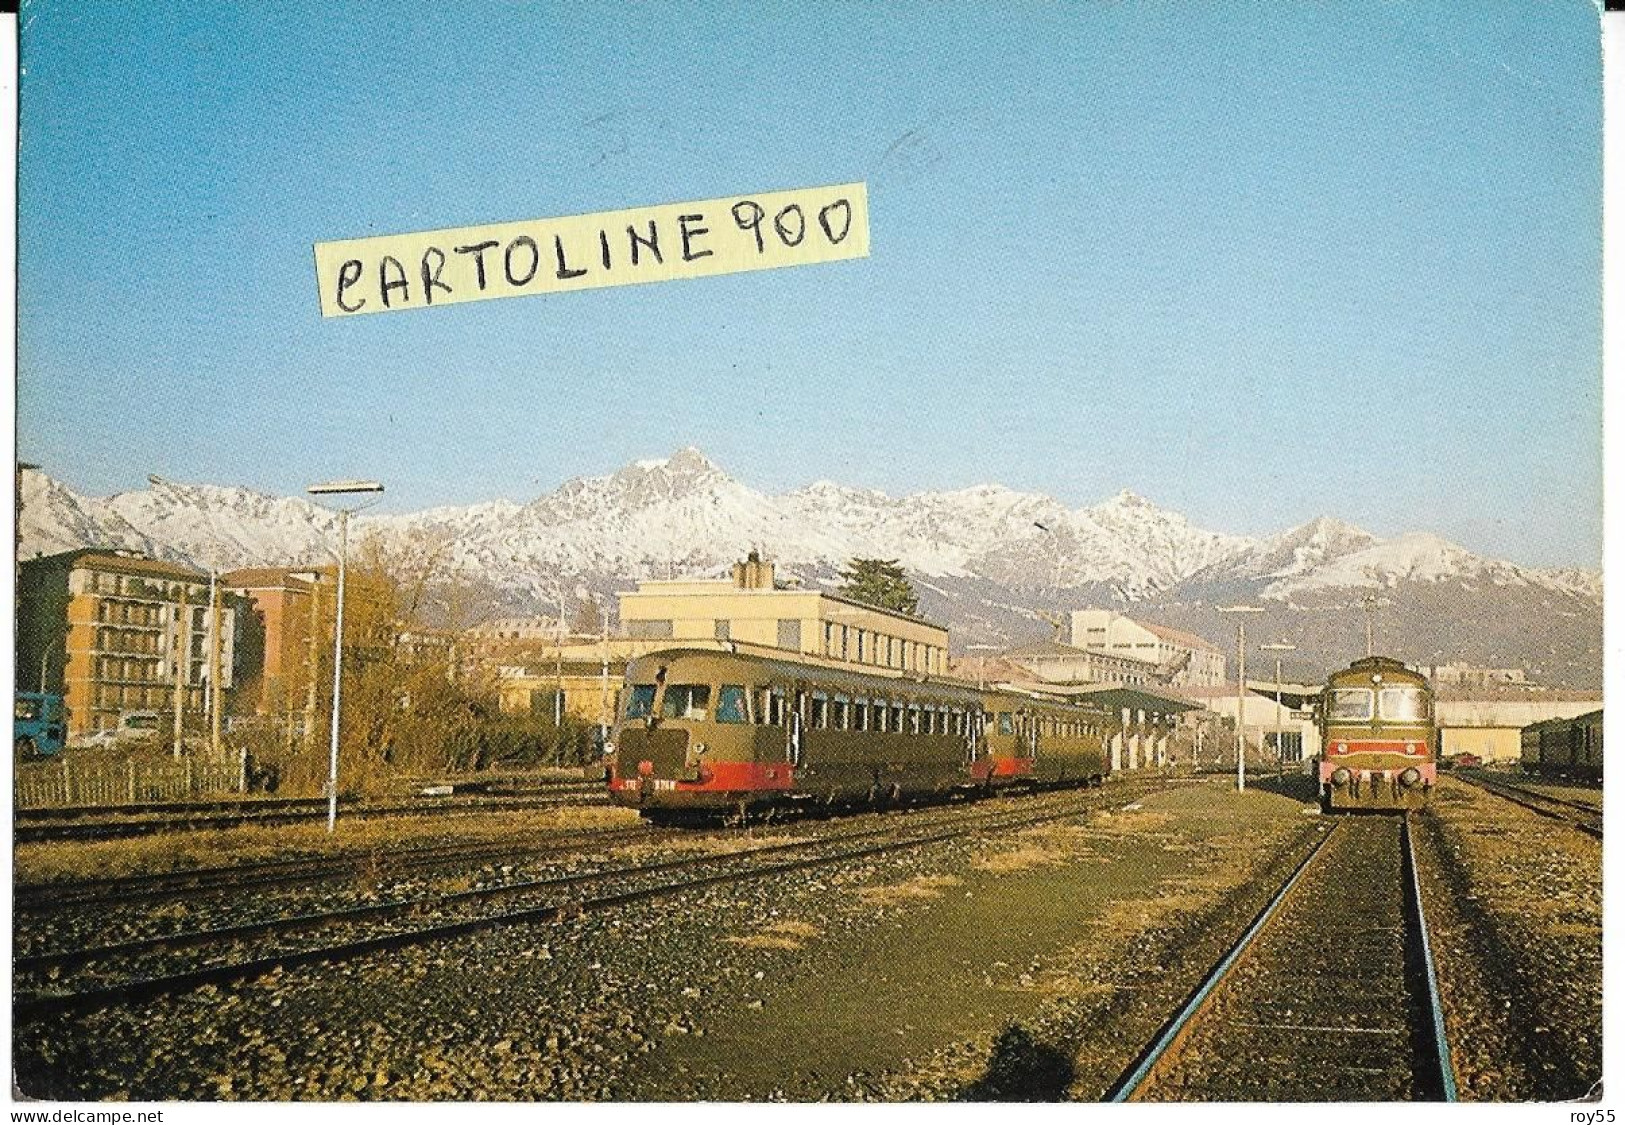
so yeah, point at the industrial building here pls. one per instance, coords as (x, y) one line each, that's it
(1186, 659)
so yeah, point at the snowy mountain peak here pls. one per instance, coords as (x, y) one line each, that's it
(683, 514)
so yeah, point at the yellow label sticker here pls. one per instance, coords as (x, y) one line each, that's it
(389, 273)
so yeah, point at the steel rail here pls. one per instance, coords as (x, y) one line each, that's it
(1433, 1074)
(1527, 798)
(51, 1004)
(1445, 1074)
(1131, 1082)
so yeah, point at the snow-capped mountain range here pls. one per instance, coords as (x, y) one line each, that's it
(683, 515)
(986, 558)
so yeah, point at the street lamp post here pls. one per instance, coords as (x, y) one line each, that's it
(339, 488)
(1241, 689)
(1280, 718)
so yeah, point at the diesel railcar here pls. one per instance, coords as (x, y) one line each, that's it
(1564, 747)
(703, 731)
(1379, 745)
(737, 729)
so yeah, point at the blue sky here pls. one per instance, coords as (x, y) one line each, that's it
(1256, 261)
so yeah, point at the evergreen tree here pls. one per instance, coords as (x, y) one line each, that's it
(879, 582)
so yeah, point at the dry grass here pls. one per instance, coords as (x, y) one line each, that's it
(1047, 846)
(1137, 821)
(699, 845)
(785, 934)
(918, 889)
(182, 851)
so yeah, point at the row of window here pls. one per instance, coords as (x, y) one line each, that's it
(130, 613)
(129, 640)
(771, 707)
(864, 646)
(824, 711)
(127, 697)
(130, 585)
(115, 668)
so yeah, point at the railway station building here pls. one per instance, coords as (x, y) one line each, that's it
(1187, 660)
(753, 607)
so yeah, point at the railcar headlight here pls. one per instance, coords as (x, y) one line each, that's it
(1340, 776)
(609, 749)
(1411, 778)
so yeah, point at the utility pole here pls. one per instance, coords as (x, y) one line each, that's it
(182, 654)
(1370, 602)
(315, 659)
(214, 666)
(603, 688)
(1280, 716)
(1241, 689)
(339, 488)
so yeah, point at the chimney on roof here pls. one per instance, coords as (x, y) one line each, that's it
(753, 573)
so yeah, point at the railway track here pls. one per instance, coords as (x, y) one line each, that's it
(81, 825)
(1330, 995)
(1585, 817)
(56, 983)
(110, 892)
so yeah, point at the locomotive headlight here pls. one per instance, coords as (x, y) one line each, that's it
(1340, 776)
(1411, 778)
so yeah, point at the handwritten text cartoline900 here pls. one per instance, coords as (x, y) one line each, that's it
(661, 243)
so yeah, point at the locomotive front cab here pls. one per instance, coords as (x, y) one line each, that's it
(1378, 741)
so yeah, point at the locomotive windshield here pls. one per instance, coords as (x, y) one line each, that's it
(641, 701)
(1403, 704)
(1350, 705)
(685, 701)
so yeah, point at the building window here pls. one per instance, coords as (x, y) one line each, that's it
(829, 638)
(846, 636)
(790, 635)
(653, 630)
(723, 630)
(863, 646)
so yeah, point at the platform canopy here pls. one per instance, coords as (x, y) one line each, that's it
(1296, 696)
(1114, 696)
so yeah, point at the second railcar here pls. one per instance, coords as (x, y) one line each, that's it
(1039, 741)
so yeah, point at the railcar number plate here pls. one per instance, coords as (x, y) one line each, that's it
(662, 783)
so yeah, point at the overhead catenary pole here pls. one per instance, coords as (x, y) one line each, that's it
(1241, 689)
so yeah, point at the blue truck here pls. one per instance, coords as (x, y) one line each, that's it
(39, 725)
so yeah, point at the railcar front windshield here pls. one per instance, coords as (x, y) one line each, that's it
(1403, 704)
(686, 701)
(640, 703)
(1350, 705)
